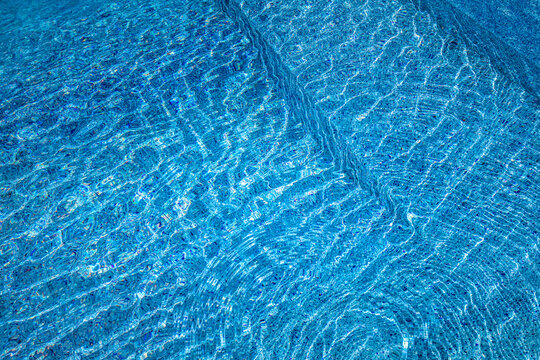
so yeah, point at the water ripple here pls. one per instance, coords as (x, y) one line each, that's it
(161, 196)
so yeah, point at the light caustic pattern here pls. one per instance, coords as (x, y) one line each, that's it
(447, 137)
(158, 200)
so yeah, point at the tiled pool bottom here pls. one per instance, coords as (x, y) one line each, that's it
(160, 199)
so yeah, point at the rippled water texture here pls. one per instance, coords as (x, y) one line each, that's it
(195, 179)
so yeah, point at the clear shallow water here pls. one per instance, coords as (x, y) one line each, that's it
(186, 180)
(515, 22)
(506, 31)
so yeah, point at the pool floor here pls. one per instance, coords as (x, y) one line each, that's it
(186, 179)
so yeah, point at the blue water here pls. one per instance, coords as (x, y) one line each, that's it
(197, 179)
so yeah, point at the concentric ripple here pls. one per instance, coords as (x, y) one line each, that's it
(332, 180)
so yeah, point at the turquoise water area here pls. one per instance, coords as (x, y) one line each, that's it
(243, 179)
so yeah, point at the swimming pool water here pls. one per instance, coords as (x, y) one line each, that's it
(231, 179)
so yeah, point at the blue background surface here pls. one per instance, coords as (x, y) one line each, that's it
(265, 180)
(504, 31)
(515, 22)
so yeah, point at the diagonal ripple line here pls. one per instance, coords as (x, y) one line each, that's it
(302, 106)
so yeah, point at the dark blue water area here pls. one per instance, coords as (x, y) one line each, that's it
(515, 22)
(295, 179)
(506, 31)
